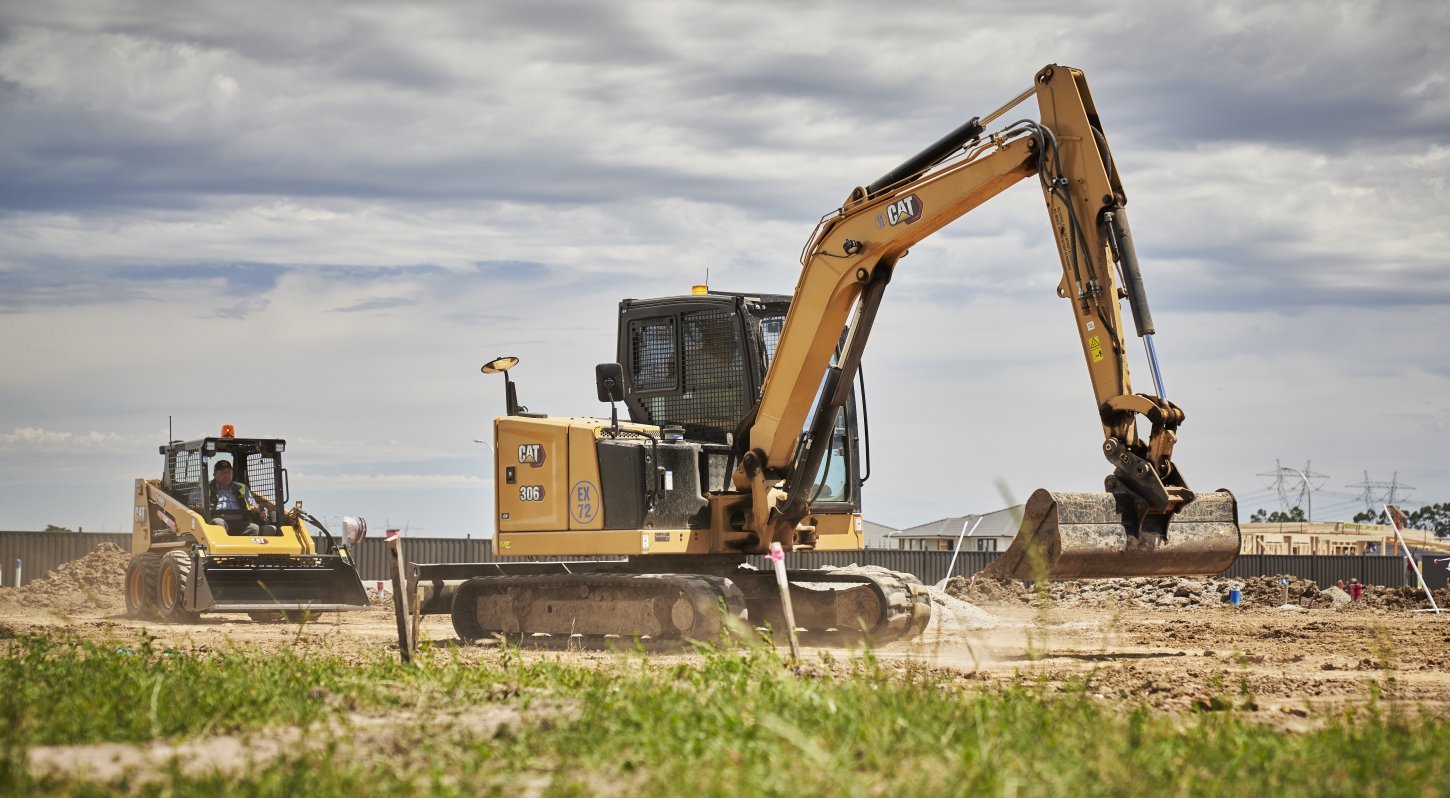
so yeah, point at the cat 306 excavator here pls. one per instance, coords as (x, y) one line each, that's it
(742, 426)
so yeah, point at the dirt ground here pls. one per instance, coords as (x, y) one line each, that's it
(1286, 665)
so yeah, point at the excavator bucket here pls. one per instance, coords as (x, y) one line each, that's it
(317, 582)
(1088, 536)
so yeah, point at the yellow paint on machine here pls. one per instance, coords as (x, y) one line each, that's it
(549, 497)
(618, 542)
(532, 465)
(151, 504)
(547, 474)
(584, 502)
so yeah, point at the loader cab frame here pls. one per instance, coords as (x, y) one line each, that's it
(699, 362)
(256, 462)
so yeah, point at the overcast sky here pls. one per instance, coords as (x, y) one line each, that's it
(317, 220)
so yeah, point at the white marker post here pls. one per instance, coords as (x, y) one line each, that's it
(777, 556)
(1397, 520)
(958, 550)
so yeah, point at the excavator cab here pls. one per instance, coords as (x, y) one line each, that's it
(699, 363)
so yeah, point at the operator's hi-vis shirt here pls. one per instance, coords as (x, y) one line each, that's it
(228, 498)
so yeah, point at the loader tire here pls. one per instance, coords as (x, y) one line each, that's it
(141, 575)
(173, 584)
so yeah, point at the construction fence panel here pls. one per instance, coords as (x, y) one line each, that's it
(1436, 571)
(928, 566)
(372, 557)
(33, 554)
(1325, 569)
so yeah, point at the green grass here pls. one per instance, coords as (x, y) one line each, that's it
(723, 723)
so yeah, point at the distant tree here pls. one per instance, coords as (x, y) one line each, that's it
(1433, 517)
(1277, 517)
(1295, 514)
(54, 528)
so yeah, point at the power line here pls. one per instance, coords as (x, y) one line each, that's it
(1298, 482)
(1375, 493)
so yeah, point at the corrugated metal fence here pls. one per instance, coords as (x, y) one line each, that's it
(29, 555)
(39, 552)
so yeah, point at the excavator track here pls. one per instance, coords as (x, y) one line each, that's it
(593, 607)
(843, 607)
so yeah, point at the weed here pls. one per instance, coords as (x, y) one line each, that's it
(736, 721)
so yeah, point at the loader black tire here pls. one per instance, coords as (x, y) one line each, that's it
(140, 587)
(173, 582)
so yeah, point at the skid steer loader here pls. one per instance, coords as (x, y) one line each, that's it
(226, 544)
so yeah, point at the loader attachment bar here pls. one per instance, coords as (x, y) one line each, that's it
(260, 583)
(1100, 535)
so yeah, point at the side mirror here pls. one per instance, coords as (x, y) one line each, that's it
(609, 381)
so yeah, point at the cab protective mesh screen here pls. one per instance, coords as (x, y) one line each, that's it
(184, 481)
(262, 476)
(713, 394)
(652, 354)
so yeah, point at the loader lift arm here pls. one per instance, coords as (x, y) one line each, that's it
(849, 260)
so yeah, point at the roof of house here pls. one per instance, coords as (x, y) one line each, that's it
(996, 524)
(876, 534)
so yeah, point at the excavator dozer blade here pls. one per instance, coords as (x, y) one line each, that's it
(256, 584)
(1087, 536)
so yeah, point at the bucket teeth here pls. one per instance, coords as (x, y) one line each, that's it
(1093, 535)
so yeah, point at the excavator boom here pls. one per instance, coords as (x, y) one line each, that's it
(847, 264)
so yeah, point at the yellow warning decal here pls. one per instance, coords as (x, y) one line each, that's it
(1096, 347)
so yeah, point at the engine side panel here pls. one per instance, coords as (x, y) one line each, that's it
(531, 473)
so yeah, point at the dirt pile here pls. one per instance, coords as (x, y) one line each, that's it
(380, 599)
(1170, 592)
(1337, 598)
(1161, 592)
(94, 582)
(1404, 598)
(1268, 591)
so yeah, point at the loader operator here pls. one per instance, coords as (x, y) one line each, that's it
(233, 504)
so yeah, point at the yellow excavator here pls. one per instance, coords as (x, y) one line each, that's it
(226, 543)
(743, 424)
